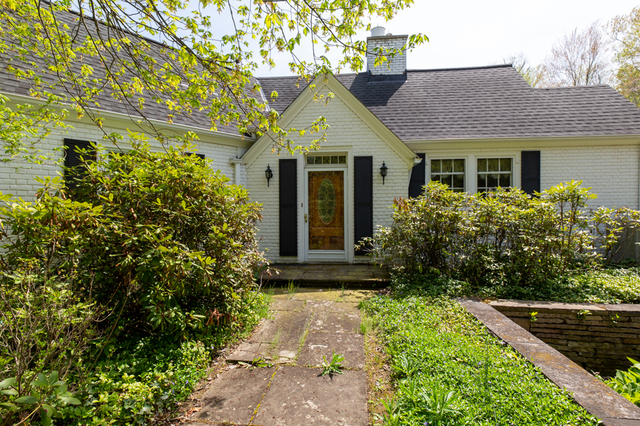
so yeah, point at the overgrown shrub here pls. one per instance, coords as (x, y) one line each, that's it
(178, 246)
(45, 326)
(161, 247)
(161, 239)
(503, 236)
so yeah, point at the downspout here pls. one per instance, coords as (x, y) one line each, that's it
(237, 162)
(637, 232)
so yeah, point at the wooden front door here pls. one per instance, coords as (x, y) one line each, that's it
(326, 210)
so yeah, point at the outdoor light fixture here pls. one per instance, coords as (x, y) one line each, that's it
(383, 172)
(268, 173)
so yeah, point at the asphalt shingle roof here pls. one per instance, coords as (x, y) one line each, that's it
(478, 103)
(152, 110)
(463, 103)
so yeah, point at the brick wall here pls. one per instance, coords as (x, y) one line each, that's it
(393, 66)
(348, 134)
(597, 337)
(18, 177)
(611, 171)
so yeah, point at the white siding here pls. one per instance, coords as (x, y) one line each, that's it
(348, 133)
(18, 177)
(611, 171)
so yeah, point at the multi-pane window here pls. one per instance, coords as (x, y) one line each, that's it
(450, 172)
(326, 159)
(494, 172)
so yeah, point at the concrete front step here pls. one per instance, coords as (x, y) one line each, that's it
(327, 275)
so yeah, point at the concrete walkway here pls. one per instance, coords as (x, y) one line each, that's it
(303, 327)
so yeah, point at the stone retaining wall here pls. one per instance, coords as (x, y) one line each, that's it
(597, 337)
(592, 394)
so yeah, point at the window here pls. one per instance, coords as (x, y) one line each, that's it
(494, 172)
(450, 172)
(326, 159)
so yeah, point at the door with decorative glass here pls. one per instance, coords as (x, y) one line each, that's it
(326, 239)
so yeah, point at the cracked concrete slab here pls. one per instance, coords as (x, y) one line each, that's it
(331, 306)
(248, 351)
(336, 322)
(267, 330)
(235, 395)
(300, 396)
(279, 338)
(317, 345)
(287, 304)
(291, 328)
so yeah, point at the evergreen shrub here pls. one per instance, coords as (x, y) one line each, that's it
(502, 236)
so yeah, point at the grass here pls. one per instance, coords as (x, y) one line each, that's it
(291, 289)
(447, 369)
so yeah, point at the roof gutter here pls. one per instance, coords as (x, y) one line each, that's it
(235, 140)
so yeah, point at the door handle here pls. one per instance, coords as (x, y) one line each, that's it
(305, 218)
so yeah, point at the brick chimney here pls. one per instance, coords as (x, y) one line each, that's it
(394, 66)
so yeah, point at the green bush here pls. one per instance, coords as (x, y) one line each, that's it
(45, 326)
(627, 383)
(149, 247)
(503, 236)
(449, 370)
(160, 239)
(178, 244)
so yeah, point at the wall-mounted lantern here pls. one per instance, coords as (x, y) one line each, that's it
(268, 174)
(383, 172)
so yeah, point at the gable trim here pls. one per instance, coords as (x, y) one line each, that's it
(306, 96)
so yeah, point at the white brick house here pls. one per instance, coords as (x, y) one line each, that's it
(473, 128)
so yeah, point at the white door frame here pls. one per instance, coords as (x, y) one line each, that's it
(326, 255)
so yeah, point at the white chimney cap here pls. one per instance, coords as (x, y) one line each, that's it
(378, 31)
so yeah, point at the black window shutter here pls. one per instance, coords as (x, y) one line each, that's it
(288, 177)
(417, 178)
(72, 160)
(363, 199)
(530, 177)
(202, 156)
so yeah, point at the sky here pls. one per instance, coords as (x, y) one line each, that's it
(465, 33)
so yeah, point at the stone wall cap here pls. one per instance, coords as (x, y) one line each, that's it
(547, 306)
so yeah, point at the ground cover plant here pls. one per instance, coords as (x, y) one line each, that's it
(117, 290)
(627, 383)
(606, 285)
(449, 370)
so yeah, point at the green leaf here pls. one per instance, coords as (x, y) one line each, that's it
(7, 382)
(46, 412)
(70, 400)
(9, 405)
(27, 399)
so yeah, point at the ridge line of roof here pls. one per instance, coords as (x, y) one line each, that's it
(582, 86)
(480, 67)
(281, 77)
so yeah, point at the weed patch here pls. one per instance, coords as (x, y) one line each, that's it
(448, 370)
